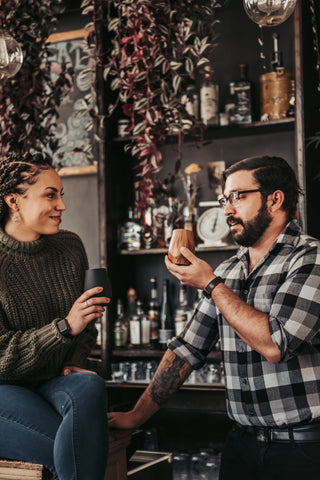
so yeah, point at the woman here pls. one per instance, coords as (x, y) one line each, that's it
(52, 410)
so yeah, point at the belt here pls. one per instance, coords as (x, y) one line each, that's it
(299, 434)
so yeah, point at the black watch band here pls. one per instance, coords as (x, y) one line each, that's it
(211, 285)
(64, 327)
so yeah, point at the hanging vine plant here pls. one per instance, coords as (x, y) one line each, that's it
(29, 100)
(157, 50)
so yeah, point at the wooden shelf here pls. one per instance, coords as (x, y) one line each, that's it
(238, 130)
(148, 353)
(157, 251)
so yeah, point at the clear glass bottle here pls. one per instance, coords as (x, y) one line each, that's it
(243, 94)
(153, 313)
(209, 99)
(144, 325)
(166, 331)
(129, 233)
(120, 329)
(148, 234)
(98, 325)
(182, 312)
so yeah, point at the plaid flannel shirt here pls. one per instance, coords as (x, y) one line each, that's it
(285, 284)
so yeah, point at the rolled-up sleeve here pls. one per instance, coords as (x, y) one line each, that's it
(199, 336)
(295, 313)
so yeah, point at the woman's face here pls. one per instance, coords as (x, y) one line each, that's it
(40, 208)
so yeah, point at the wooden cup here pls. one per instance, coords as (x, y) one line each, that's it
(180, 238)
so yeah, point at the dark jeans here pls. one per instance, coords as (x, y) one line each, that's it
(62, 424)
(244, 458)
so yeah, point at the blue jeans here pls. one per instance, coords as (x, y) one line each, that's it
(61, 424)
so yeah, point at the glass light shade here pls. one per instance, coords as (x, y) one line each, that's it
(11, 56)
(269, 13)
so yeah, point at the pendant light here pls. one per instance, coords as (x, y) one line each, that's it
(11, 56)
(269, 13)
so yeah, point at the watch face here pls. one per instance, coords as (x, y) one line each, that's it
(212, 227)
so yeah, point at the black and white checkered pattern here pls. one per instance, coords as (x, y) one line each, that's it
(285, 285)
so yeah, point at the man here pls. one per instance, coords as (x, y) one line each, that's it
(264, 303)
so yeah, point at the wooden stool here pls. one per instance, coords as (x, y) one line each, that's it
(116, 468)
(14, 470)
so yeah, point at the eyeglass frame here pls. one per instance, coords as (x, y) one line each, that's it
(227, 199)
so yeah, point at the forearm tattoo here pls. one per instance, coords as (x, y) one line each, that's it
(171, 374)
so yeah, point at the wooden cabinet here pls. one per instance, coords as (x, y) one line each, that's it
(237, 43)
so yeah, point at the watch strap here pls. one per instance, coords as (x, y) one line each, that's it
(211, 285)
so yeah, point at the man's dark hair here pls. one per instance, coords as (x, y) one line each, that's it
(271, 173)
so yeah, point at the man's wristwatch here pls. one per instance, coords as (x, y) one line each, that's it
(211, 285)
(64, 328)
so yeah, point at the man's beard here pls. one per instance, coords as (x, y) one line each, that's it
(253, 229)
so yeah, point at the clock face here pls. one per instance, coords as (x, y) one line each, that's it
(212, 227)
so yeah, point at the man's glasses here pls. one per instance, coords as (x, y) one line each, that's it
(234, 198)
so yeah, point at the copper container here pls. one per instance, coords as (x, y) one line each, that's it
(275, 94)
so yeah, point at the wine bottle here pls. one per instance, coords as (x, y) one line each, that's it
(153, 313)
(243, 94)
(166, 331)
(209, 99)
(120, 332)
(182, 312)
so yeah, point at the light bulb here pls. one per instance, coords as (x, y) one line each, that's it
(269, 13)
(11, 56)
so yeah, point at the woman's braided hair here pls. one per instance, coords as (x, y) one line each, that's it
(16, 172)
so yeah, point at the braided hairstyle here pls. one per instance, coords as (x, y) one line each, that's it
(16, 172)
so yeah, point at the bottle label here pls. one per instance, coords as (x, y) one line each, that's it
(165, 336)
(135, 332)
(154, 325)
(119, 340)
(209, 104)
(243, 108)
(180, 322)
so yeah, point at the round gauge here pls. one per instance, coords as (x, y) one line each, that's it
(212, 227)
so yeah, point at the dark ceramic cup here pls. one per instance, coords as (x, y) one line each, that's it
(98, 277)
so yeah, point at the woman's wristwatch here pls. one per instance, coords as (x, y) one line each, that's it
(211, 285)
(64, 328)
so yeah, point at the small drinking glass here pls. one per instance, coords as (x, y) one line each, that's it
(181, 237)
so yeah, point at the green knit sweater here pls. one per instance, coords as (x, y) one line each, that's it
(39, 282)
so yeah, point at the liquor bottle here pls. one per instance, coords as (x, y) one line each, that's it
(190, 100)
(153, 314)
(98, 325)
(230, 105)
(166, 331)
(243, 94)
(148, 234)
(209, 99)
(144, 325)
(120, 332)
(132, 303)
(182, 312)
(129, 233)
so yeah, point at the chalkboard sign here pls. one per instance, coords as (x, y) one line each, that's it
(74, 132)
